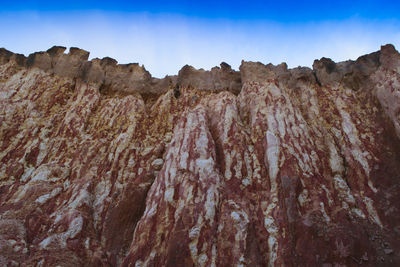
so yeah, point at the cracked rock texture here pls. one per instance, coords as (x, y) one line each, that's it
(103, 165)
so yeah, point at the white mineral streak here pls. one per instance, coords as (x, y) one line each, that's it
(205, 168)
(101, 191)
(157, 163)
(46, 197)
(343, 190)
(248, 164)
(335, 161)
(285, 122)
(272, 155)
(190, 163)
(240, 221)
(230, 134)
(230, 115)
(81, 196)
(43, 151)
(328, 194)
(169, 194)
(373, 214)
(341, 186)
(360, 156)
(60, 240)
(322, 209)
(262, 109)
(303, 197)
(353, 136)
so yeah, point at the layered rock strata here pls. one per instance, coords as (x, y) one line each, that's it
(103, 165)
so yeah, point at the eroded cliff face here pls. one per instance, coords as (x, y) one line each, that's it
(101, 164)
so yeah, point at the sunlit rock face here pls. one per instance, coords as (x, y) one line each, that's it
(103, 165)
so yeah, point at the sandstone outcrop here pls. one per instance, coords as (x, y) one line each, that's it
(102, 164)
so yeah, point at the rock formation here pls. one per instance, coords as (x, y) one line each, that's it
(103, 165)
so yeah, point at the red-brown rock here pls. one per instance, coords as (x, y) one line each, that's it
(103, 165)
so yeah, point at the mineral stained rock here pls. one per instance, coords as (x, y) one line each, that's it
(103, 165)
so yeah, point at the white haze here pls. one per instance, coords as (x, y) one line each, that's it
(163, 43)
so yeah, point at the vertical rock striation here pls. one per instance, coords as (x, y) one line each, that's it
(102, 164)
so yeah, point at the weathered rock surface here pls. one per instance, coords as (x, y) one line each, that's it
(102, 164)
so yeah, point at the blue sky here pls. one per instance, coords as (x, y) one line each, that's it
(164, 36)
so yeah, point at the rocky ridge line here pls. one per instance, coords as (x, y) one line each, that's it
(131, 78)
(122, 78)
